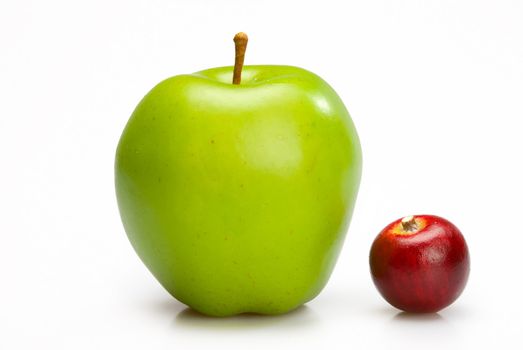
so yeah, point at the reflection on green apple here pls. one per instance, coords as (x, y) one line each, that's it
(238, 197)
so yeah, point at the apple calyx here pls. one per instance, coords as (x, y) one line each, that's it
(240, 45)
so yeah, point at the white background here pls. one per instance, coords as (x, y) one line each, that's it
(435, 89)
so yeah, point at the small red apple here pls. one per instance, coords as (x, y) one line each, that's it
(420, 263)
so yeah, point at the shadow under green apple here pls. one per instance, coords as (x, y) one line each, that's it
(301, 317)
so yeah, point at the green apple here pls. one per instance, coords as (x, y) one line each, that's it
(237, 197)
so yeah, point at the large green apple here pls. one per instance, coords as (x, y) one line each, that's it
(238, 197)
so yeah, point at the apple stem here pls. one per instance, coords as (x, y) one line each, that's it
(240, 44)
(409, 224)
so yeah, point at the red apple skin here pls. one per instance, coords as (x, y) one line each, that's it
(423, 269)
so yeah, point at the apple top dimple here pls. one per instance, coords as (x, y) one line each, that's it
(409, 225)
(256, 75)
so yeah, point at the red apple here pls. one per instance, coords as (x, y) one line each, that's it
(420, 263)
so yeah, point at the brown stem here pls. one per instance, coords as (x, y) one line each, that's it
(409, 224)
(240, 44)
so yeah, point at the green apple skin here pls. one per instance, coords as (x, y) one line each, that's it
(238, 197)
